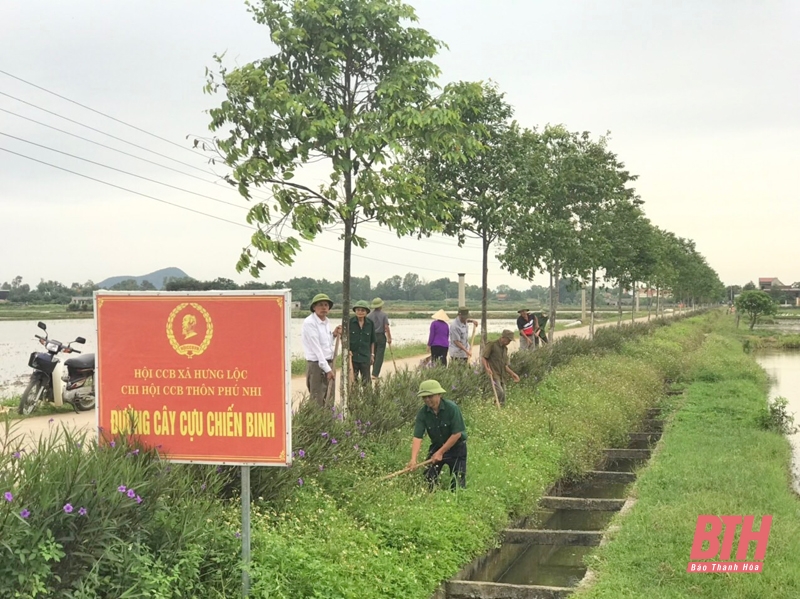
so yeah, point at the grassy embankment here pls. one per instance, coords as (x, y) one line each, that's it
(718, 457)
(9, 311)
(327, 526)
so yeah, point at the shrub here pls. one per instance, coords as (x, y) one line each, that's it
(90, 521)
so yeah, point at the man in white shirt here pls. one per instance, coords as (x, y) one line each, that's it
(318, 346)
(460, 349)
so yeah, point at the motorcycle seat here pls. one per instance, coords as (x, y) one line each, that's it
(81, 362)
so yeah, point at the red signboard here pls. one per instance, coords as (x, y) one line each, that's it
(204, 377)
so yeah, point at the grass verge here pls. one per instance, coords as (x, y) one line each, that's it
(716, 457)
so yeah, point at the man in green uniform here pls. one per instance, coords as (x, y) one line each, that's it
(495, 362)
(443, 422)
(362, 342)
(383, 334)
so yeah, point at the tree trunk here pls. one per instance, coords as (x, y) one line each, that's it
(619, 307)
(658, 301)
(484, 299)
(345, 342)
(554, 282)
(591, 307)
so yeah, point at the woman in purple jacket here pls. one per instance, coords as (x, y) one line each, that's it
(439, 338)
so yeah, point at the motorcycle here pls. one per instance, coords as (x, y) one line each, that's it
(50, 382)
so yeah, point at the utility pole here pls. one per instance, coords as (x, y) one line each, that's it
(462, 290)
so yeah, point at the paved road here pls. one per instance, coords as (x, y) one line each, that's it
(32, 428)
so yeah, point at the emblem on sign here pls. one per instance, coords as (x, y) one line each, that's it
(189, 329)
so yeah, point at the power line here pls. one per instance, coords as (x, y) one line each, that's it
(144, 195)
(130, 143)
(196, 193)
(113, 149)
(202, 195)
(108, 116)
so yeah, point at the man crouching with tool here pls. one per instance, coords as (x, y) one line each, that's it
(442, 420)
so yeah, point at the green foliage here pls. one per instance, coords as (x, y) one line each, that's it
(70, 532)
(774, 417)
(755, 304)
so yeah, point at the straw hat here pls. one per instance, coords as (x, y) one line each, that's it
(440, 315)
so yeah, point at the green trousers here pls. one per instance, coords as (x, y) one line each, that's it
(380, 352)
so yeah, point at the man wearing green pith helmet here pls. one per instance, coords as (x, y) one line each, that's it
(383, 334)
(318, 348)
(442, 420)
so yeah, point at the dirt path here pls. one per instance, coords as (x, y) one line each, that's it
(32, 428)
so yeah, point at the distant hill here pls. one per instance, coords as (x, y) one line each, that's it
(156, 278)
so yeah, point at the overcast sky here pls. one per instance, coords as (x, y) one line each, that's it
(701, 99)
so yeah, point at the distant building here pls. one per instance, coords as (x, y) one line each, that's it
(791, 292)
(297, 305)
(4, 295)
(81, 301)
(501, 297)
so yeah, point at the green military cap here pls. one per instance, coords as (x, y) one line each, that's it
(430, 387)
(361, 304)
(462, 311)
(377, 303)
(321, 297)
(507, 334)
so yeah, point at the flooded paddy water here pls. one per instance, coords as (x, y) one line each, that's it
(783, 369)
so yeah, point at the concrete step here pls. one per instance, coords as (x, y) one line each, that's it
(653, 424)
(581, 503)
(652, 437)
(612, 477)
(653, 412)
(468, 589)
(582, 538)
(674, 391)
(636, 454)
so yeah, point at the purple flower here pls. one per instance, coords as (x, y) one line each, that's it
(358, 423)
(334, 441)
(369, 423)
(113, 444)
(82, 511)
(203, 487)
(8, 496)
(340, 417)
(300, 482)
(323, 435)
(139, 499)
(301, 453)
(134, 452)
(78, 444)
(219, 469)
(294, 454)
(68, 508)
(238, 535)
(24, 514)
(51, 421)
(131, 493)
(16, 455)
(122, 488)
(347, 433)
(362, 455)
(321, 467)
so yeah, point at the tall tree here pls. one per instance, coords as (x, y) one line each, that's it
(482, 186)
(352, 85)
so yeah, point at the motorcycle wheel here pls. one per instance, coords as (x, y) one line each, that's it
(84, 404)
(31, 396)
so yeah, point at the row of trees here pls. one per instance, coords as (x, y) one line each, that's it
(353, 86)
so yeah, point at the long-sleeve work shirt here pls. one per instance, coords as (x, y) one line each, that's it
(317, 341)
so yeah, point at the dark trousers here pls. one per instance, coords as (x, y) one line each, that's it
(439, 354)
(456, 459)
(380, 353)
(361, 370)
